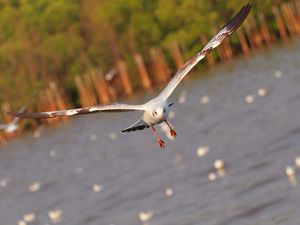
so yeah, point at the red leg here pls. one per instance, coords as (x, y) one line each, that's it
(158, 139)
(172, 131)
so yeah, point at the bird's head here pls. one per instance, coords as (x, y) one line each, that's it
(159, 113)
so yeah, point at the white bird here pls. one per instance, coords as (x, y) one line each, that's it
(13, 125)
(157, 109)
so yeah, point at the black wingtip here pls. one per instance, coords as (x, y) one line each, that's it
(239, 18)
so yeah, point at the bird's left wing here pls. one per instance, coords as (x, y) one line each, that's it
(21, 110)
(227, 30)
(78, 111)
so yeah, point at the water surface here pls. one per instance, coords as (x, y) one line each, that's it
(256, 142)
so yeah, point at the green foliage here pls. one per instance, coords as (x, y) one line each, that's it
(42, 40)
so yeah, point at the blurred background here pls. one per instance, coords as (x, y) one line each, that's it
(236, 157)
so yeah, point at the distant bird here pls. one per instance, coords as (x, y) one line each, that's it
(111, 74)
(13, 125)
(157, 109)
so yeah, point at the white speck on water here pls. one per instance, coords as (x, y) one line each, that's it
(21, 222)
(97, 188)
(113, 136)
(55, 215)
(297, 162)
(35, 186)
(145, 216)
(249, 99)
(52, 153)
(278, 74)
(261, 92)
(169, 192)
(212, 176)
(79, 169)
(291, 173)
(3, 183)
(93, 137)
(219, 164)
(205, 99)
(202, 151)
(30, 217)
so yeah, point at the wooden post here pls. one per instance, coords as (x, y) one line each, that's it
(243, 42)
(249, 34)
(264, 29)
(297, 8)
(52, 105)
(227, 49)
(60, 104)
(125, 81)
(294, 17)
(100, 86)
(210, 58)
(144, 76)
(287, 18)
(81, 89)
(90, 92)
(280, 22)
(159, 66)
(176, 54)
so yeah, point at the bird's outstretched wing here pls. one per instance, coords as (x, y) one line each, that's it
(78, 111)
(21, 110)
(228, 29)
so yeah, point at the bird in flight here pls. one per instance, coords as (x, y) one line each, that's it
(13, 125)
(157, 109)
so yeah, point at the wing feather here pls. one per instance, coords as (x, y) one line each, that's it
(78, 111)
(21, 110)
(227, 30)
(139, 125)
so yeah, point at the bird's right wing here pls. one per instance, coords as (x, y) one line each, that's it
(228, 29)
(78, 111)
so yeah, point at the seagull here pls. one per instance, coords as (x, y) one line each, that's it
(156, 110)
(13, 125)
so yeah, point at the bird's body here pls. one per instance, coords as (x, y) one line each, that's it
(157, 109)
